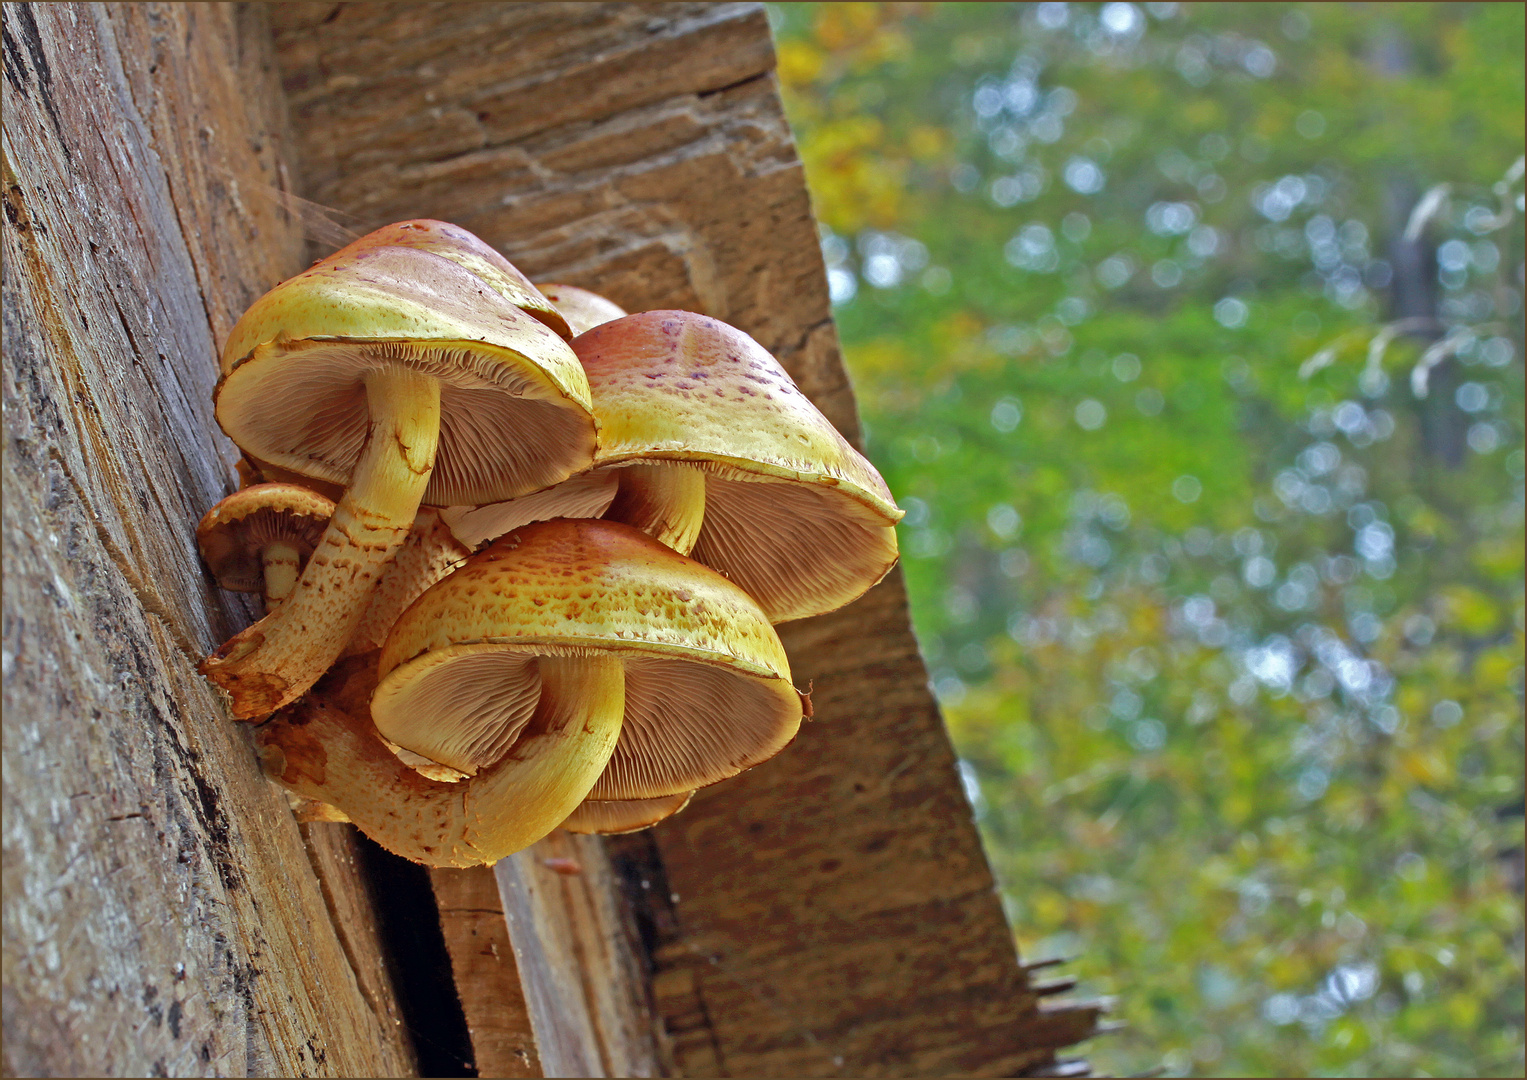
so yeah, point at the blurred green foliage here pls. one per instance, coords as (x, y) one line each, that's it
(1225, 616)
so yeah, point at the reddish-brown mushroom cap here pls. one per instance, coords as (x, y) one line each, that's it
(235, 535)
(707, 690)
(689, 405)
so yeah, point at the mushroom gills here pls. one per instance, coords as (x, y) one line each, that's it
(586, 495)
(614, 817)
(798, 549)
(689, 725)
(467, 714)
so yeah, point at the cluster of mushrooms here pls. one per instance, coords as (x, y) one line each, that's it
(521, 552)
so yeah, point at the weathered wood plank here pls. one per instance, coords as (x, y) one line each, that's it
(585, 990)
(162, 916)
(487, 977)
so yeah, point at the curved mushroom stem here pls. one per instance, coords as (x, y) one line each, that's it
(271, 663)
(321, 752)
(430, 552)
(282, 562)
(665, 501)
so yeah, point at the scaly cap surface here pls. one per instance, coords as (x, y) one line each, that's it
(793, 513)
(686, 387)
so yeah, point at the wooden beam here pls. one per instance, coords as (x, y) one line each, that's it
(585, 988)
(487, 976)
(163, 914)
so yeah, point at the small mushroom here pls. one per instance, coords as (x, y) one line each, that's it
(569, 660)
(720, 456)
(401, 373)
(583, 309)
(258, 538)
(612, 817)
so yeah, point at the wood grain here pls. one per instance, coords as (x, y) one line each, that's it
(162, 912)
(487, 977)
(584, 987)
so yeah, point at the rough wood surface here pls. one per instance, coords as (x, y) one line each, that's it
(162, 913)
(836, 914)
(584, 988)
(487, 977)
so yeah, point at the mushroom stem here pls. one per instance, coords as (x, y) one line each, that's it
(666, 501)
(320, 752)
(271, 663)
(430, 552)
(282, 561)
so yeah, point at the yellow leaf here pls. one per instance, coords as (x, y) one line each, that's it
(1427, 766)
(800, 63)
(1469, 610)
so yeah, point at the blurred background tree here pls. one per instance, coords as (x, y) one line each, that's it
(1190, 337)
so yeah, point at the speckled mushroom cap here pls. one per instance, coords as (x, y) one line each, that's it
(514, 405)
(707, 685)
(583, 309)
(472, 253)
(793, 513)
(613, 817)
(233, 533)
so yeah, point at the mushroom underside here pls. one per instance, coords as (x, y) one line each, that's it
(238, 565)
(687, 724)
(798, 549)
(586, 495)
(501, 433)
(611, 817)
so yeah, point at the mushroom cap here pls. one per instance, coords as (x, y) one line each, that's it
(233, 533)
(469, 251)
(514, 404)
(583, 309)
(793, 513)
(707, 684)
(612, 817)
